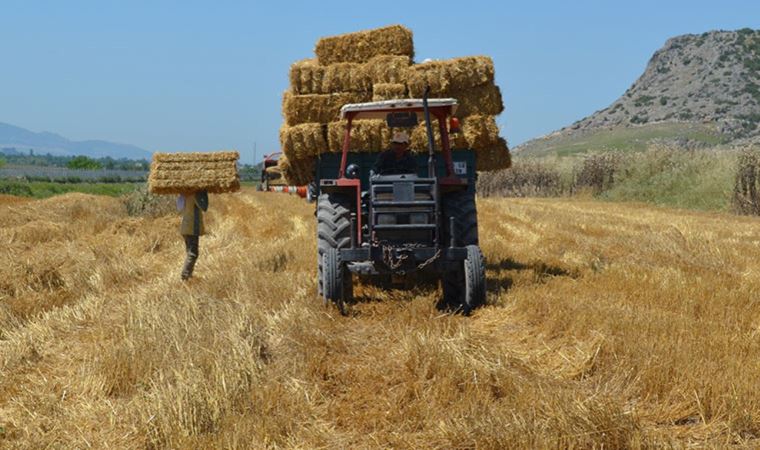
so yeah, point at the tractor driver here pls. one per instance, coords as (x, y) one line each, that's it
(398, 159)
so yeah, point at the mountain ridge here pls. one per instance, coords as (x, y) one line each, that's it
(22, 139)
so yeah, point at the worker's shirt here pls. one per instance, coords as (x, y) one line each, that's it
(192, 207)
(387, 164)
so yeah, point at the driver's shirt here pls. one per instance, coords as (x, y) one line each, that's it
(387, 164)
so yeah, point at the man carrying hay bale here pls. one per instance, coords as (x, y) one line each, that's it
(398, 160)
(193, 176)
(192, 205)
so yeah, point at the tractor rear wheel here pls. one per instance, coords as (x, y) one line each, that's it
(333, 227)
(475, 279)
(336, 281)
(464, 289)
(461, 206)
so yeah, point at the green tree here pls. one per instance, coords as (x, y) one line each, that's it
(83, 162)
(2, 162)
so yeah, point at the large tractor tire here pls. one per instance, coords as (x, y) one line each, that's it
(475, 279)
(336, 281)
(465, 288)
(333, 228)
(460, 205)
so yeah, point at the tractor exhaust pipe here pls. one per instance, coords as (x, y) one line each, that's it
(429, 127)
(353, 230)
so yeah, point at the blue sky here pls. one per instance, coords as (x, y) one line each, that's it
(191, 75)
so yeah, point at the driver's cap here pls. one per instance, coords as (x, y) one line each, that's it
(400, 137)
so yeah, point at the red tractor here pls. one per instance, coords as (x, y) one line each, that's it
(395, 226)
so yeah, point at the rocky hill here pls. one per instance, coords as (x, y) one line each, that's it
(708, 79)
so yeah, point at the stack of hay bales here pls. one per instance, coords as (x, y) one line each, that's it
(175, 173)
(377, 65)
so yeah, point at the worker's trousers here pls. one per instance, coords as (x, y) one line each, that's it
(191, 246)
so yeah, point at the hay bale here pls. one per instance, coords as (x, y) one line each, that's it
(366, 136)
(388, 69)
(297, 172)
(476, 132)
(388, 91)
(418, 141)
(303, 141)
(480, 132)
(363, 45)
(308, 77)
(480, 100)
(494, 157)
(449, 75)
(318, 108)
(175, 173)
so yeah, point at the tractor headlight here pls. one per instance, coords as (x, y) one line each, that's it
(418, 218)
(386, 219)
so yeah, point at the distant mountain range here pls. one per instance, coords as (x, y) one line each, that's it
(17, 139)
(697, 90)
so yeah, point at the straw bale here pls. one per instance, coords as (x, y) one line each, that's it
(388, 91)
(196, 156)
(366, 136)
(297, 172)
(175, 173)
(448, 75)
(303, 141)
(308, 77)
(476, 132)
(480, 132)
(387, 69)
(318, 108)
(363, 45)
(494, 157)
(481, 100)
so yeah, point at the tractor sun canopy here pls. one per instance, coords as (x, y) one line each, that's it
(380, 110)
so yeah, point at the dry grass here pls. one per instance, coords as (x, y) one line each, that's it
(175, 173)
(607, 325)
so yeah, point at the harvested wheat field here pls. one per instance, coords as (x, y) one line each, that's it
(607, 326)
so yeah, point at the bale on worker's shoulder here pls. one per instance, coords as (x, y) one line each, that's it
(303, 140)
(318, 108)
(363, 45)
(175, 173)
